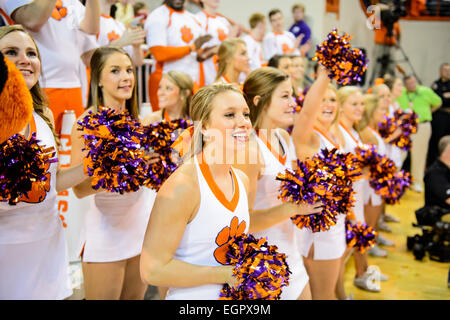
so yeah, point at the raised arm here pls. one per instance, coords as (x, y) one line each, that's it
(91, 21)
(176, 203)
(34, 15)
(304, 122)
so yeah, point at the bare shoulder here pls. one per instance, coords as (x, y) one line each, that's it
(75, 130)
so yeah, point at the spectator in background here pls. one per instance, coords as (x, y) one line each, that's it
(220, 29)
(422, 100)
(437, 178)
(254, 40)
(113, 32)
(56, 32)
(279, 41)
(300, 28)
(174, 37)
(440, 125)
(124, 11)
(141, 12)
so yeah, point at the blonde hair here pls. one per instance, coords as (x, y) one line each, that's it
(261, 82)
(184, 82)
(200, 110)
(345, 92)
(376, 89)
(226, 52)
(371, 102)
(98, 61)
(40, 103)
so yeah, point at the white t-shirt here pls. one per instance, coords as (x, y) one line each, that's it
(254, 51)
(279, 43)
(219, 28)
(110, 30)
(167, 27)
(57, 42)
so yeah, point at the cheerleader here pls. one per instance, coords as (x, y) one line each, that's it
(374, 110)
(268, 93)
(394, 153)
(33, 257)
(114, 226)
(351, 101)
(282, 62)
(233, 61)
(201, 204)
(174, 96)
(323, 250)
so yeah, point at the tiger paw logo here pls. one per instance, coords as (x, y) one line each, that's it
(186, 34)
(286, 49)
(221, 34)
(59, 12)
(113, 36)
(225, 237)
(38, 190)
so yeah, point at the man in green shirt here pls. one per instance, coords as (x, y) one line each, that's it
(424, 102)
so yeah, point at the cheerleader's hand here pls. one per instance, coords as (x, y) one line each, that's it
(305, 209)
(230, 279)
(397, 133)
(152, 158)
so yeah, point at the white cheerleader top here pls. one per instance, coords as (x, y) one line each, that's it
(205, 238)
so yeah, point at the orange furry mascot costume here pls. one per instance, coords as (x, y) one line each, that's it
(16, 103)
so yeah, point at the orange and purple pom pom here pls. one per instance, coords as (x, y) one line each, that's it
(115, 157)
(159, 138)
(360, 236)
(328, 178)
(407, 121)
(261, 271)
(24, 167)
(345, 64)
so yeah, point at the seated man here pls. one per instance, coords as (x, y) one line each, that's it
(437, 178)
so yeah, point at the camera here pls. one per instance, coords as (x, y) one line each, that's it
(396, 9)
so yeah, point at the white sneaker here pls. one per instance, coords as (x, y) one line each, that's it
(390, 218)
(376, 270)
(377, 252)
(382, 241)
(350, 297)
(368, 281)
(417, 188)
(383, 226)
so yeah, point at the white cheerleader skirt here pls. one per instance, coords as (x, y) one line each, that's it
(328, 245)
(37, 270)
(370, 195)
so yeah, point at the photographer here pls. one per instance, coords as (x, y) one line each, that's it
(437, 178)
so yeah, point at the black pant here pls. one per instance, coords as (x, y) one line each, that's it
(440, 126)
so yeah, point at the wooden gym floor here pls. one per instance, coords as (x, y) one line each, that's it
(409, 279)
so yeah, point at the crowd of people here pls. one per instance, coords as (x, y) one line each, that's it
(241, 86)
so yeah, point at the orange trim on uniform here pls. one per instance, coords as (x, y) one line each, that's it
(326, 137)
(171, 11)
(281, 159)
(348, 131)
(6, 17)
(230, 205)
(227, 80)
